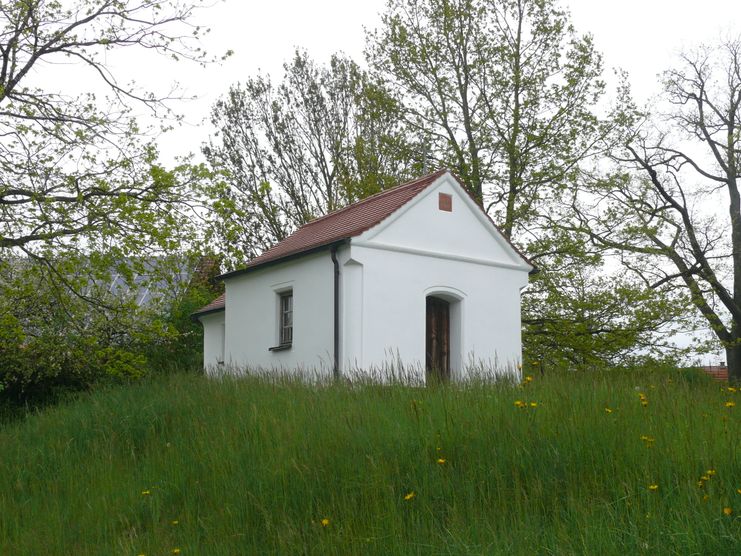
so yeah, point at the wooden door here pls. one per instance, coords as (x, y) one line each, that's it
(438, 340)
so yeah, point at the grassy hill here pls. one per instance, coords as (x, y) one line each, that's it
(606, 463)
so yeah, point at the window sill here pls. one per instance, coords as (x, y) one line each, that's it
(281, 347)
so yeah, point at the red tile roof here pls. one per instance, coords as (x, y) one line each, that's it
(344, 223)
(217, 304)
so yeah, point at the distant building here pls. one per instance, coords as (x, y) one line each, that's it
(417, 276)
(718, 372)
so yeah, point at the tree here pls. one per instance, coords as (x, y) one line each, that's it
(74, 173)
(82, 195)
(506, 93)
(658, 212)
(287, 153)
(504, 90)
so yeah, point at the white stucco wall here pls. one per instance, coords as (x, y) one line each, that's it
(252, 315)
(213, 340)
(420, 251)
(386, 275)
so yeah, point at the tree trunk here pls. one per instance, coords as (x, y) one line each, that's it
(733, 355)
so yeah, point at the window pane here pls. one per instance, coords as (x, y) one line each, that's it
(286, 318)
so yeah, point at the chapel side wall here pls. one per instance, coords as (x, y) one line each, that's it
(252, 316)
(213, 340)
(395, 286)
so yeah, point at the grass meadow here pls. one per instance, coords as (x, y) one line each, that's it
(599, 463)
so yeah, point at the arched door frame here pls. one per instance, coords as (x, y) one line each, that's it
(455, 299)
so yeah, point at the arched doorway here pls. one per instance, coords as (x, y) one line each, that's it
(437, 340)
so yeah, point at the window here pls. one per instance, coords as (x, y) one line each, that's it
(285, 331)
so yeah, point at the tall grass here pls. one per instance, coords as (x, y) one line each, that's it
(253, 466)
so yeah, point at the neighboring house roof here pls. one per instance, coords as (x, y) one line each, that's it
(343, 224)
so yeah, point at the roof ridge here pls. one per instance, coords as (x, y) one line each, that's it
(396, 188)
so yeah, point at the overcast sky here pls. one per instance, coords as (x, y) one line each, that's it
(640, 36)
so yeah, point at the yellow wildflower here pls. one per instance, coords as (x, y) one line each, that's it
(731, 388)
(706, 498)
(533, 404)
(700, 484)
(528, 379)
(520, 403)
(739, 490)
(175, 522)
(441, 461)
(653, 487)
(146, 493)
(325, 522)
(704, 478)
(608, 410)
(710, 472)
(727, 511)
(730, 404)
(409, 496)
(176, 551)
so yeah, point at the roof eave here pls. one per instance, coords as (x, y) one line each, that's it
(283, 259)
(198, 314)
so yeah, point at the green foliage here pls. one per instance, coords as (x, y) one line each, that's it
(574, 320)
(253, 466)
(183, 348)
(323, 137)
(54, 340)
(522, 130)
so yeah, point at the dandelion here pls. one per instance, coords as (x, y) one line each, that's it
(704, 478)
(649, 440)
(608, 410)
(528, 379)
(520, 403)
(644, 403)
(653, 488)
(409, 496)
(441, 461)
(727, 511)
(706, 498)
(176, 551)
(325, 522)
(533, 404)
(700, 484)
(710, 472)
(174, 522)
(730, 404)
(738, 490)
(732, 389)
(146, 492)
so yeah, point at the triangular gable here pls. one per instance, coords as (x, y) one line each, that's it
(372, 213)
(464, 231)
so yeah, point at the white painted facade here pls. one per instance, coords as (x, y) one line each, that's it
(386, 274)
(213, 339)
